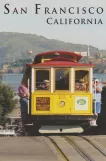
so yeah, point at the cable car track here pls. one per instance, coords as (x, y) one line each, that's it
(77, 143)
(94, 145)
(58, 149)
(82, 152)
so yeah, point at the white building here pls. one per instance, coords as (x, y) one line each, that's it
(82, 53)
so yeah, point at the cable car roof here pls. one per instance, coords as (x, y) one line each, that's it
(61, 63)
(76, 56)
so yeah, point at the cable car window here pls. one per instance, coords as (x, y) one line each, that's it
(50, 56)
(67, 56)
(81, 80)
(54, 55)
(62, 79)
(42, 80)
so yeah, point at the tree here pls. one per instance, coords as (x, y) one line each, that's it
(1, 111)
(0, 76)
(7, 101)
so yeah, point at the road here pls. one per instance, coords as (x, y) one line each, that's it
(53, 148)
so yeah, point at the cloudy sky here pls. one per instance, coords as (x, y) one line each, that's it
(36, 24)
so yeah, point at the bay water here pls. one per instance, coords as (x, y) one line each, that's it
(13, 80)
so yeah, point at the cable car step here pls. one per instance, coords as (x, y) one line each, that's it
(61, 129)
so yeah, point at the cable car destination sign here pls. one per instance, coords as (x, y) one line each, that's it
(42, 103)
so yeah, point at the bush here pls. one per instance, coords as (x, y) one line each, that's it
(7, 101)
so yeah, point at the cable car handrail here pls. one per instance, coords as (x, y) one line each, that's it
(28, 96)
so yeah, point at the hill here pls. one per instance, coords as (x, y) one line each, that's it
(16, 45)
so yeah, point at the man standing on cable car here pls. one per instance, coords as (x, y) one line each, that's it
(97, 89)
(24, 95)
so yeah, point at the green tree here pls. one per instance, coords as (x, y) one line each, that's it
(7, 101)
(0, 75)
(1, 111)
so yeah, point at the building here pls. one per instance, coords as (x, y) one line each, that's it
(82, 53)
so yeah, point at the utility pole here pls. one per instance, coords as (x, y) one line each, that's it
(88, 51)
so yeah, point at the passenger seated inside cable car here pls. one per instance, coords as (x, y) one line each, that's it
(61, 79)
(81, 80)
(42, 79)
(45, 85)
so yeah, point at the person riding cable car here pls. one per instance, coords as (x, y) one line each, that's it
(45, 85)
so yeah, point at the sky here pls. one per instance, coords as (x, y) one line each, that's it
(90, 34)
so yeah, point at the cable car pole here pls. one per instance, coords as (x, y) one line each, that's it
(95, 95)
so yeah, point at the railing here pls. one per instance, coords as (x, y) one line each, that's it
(7, 132)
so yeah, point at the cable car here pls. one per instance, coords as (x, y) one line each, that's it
(60, 89)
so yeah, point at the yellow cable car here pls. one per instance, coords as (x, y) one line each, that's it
(60, 92)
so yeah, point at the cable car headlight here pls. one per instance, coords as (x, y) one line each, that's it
(62, 103)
